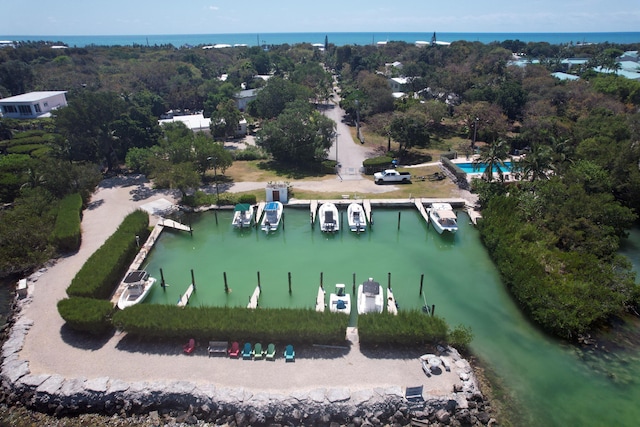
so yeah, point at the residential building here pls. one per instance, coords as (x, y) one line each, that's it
(32, 105)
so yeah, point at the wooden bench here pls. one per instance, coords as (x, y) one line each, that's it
(218, 347)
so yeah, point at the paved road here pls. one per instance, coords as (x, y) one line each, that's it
(350, 154)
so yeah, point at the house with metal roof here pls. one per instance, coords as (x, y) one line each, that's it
(32, 105)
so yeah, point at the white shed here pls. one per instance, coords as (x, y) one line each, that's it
(277, 192)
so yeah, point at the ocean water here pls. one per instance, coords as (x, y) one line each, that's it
(338, 39)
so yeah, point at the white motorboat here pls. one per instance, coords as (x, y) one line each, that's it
(272, 216)
(242, 215)
(370, 297)
(443, 218)
(340, 301)
(356, 217)
(329, 220)
(137, 285)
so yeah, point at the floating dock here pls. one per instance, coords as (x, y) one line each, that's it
(392, 308)
(253, 301)
(184, 299)
(366, 204)
(320, 304)
(421, 209)
(173, 224)
(313, 207)
(259, 211)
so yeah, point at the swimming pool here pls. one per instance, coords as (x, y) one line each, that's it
(468, 167)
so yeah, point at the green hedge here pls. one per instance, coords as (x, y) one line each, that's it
(105, 268)
(461, 175)
(86, 314)
(66, 232)
(247, 198)
(376, 164)
(233, 324)
(409, 327)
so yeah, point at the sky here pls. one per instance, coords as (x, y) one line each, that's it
(147, 17)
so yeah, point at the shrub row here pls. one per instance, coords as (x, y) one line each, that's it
(460, 175)
(105, 268)
(409, 327)
(376, 164)
(86, 314)
(303, 326)
(200, 198)
(66, 232)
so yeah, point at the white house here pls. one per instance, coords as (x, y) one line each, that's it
(399, 84)
(243, 98)
(32, 105)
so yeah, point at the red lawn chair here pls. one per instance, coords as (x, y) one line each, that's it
(234, 350)
(189, 347)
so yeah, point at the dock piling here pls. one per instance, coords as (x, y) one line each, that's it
(321, 277)
(389, 280)
(433, 309)
(193, 280)
(289, 274)
(259, 280)
(162, 282)
(215, 213)
(353, 287)
(226, 287)
(421, 282)
(399, 214)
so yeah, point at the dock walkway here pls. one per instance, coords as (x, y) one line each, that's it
(392, 308)
(422, 210)
(320, 304)
(259, 212)
(184, 299)
(313, 208)
(253, 301)
(173, 224)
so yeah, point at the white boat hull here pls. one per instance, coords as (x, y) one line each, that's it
(370, 302)
(340, 301)
(134, 294)
(272, 216)
(243, 219)
(443, 218)
(329, 218)
(357, 218)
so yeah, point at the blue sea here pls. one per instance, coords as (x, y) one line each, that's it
(338, 39)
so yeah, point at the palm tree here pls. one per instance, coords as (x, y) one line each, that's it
(537, 164)
(492, 159)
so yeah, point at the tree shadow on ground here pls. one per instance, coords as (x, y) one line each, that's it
(84, 340)
(291, 171)
(388, 351)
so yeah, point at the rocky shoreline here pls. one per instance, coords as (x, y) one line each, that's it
(186, 403)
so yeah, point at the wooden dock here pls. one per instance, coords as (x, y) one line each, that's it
(366, 204)
(474, 215)
(184, 299)
(391, 303)
(421, 209)
(313, 207)
(259, 212)
(253, 301)
(173, 224)
(320, 304)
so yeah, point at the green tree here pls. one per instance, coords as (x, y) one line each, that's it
(274, 97)
(225, 120)
(410, 129)
(300, 135)
(537, 164)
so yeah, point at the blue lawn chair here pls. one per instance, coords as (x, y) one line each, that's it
(289, 354)
(246, 351)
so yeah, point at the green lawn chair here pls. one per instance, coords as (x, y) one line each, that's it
(271, 352)
(289, 354)
(257, 352)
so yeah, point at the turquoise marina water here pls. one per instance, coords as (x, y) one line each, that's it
(554, 383)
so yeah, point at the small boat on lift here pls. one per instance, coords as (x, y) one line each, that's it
(356, 218)
(272, 216)
(329, 221)
(138, 284)
(340, 300)
(242, 215)
(443, 218)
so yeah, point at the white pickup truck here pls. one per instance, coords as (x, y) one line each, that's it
(391, 175)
